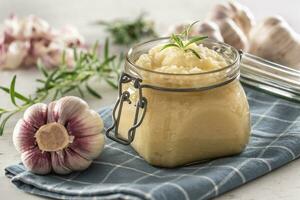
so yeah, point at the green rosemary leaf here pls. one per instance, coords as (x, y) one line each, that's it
(4, 121)
(63, 58)
(106, 62)
(12, 91)
(188, 29)
(92, 91)
(194, 40)
(50, 78)
(80, 91)
(41, 68)
(106, 49)
(69, 89)
(95, 48)
(55, 95)
(40, 80)
(194, 52)
(17, 94)
(169, 45)
(124, 32)
(111, 83)
(177, 40)
(75, 54)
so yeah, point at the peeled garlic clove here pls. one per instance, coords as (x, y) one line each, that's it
(211, 30)
(37, 161)
(66, 135)
(232, 34)
(275, 40)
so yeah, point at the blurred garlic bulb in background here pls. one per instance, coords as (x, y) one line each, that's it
(25, 40)
(63, 136)
(275, 40)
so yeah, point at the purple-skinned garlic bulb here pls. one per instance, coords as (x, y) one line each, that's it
(62, 137)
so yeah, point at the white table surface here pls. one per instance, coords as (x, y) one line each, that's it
(283, 184)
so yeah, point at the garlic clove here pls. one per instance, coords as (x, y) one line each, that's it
(51, 114)
(88, 147)
(235, 11)
(36, 115)
(14, 54)
(210, 29)
(58, 162)
(219, 12)
(242, 16)
(85, 124)
(75, 162)
(36, 161)
(232, 34)
(23, 136)
(68, 108)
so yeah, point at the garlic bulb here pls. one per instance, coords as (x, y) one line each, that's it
(64, 136)
(275, 40)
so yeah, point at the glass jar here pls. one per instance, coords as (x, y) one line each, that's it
(177, 119)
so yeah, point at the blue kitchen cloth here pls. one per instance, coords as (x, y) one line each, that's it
(119, 173)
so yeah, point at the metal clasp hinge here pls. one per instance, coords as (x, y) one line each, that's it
(116, 116)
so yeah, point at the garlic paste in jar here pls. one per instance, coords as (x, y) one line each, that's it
(196, 107)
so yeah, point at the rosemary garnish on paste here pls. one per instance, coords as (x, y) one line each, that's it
(182, 41)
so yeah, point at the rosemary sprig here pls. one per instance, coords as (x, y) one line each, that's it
(126, 32)
(63, 80)
(182, 41)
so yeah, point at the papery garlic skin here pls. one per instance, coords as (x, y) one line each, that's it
(62, 137)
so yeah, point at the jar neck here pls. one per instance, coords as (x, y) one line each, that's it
(188, 82)
(199, 81)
